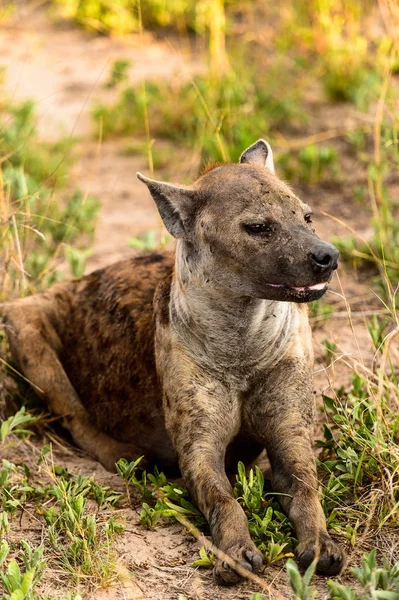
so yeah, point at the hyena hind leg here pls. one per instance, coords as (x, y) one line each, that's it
(35, 347)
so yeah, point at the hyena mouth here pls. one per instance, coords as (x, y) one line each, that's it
(317, 287)
(311, 288)
(306, 293)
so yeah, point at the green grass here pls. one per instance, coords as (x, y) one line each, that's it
(356, 451)
(380, 254)
(361, 455)
(80, 539)
(217, 117)
(374, 582)
(310, 164)
(79, 525)
(40, 218)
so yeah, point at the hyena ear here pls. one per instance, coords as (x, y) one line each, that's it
(175, 204)
(260, 154)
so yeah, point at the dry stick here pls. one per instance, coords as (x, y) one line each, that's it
(356, 313)
(355, 233)
(381, 374)
(19, 252)
(348, 308)
(389, 16)
(6, 364)
(316, 138)
(146, 121)
(378, 120)
(358, 367)
(211, 119)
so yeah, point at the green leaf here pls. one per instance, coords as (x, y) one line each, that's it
(4, 550)
(294, 575)
(27, 581)
(14, 574)
(309, 573)
(329, 402)
(4, 430)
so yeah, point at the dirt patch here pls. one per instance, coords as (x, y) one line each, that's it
(64, 68)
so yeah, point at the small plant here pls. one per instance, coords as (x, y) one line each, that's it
(76, 260)
(171, 500)
(378, 329)
(206, 559)
(149, 241)
(127, 472)
(80, 541)
(14, 425)
(15, 488)
(20, 583)
(319, 311)
(269, 527)
(118, 73)
(301, 584)
(381, 583)
(310, 164)
(330, 350)
(376, 583)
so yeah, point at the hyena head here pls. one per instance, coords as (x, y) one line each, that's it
(241, 228)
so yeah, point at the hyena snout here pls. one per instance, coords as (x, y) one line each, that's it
(324, 259)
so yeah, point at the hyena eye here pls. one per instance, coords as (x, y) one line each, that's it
(255, 228)
(308, 218)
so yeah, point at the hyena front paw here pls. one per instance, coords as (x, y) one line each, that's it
(331, 559)
(247, 556)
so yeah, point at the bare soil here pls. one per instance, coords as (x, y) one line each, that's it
(63, 69)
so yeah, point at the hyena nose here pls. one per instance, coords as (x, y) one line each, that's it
(324, 258)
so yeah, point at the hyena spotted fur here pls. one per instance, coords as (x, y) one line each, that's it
(199, 359)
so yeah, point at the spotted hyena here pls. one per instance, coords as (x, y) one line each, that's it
(200, 358)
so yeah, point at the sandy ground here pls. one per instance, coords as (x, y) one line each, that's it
(63, 69)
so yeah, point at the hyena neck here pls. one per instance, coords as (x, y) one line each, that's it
(226, 329)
